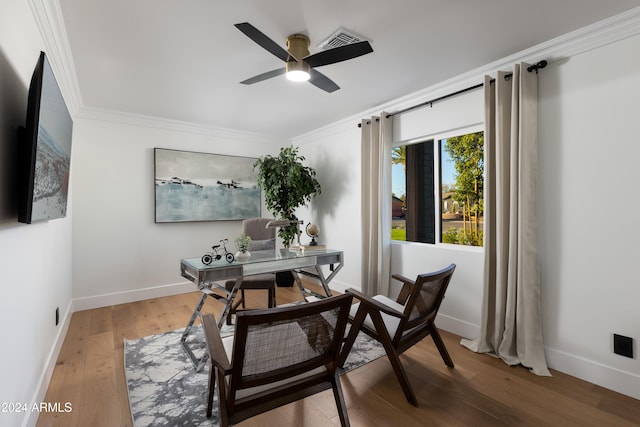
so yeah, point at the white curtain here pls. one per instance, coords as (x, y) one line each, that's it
(376, 204)
(511, 324)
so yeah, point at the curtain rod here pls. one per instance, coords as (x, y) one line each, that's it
(535, 67)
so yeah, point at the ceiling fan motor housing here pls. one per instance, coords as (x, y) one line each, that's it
(298, 48)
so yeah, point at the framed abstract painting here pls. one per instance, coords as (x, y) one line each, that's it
(191, 186)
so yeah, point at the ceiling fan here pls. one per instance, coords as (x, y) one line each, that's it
(299, 65)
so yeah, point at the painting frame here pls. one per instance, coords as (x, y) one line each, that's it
(194, 186)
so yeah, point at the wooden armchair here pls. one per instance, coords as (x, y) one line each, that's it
(400, 324)
(277, 356)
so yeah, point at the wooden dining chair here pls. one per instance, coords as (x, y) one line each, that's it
(400, 324)
(275, 357)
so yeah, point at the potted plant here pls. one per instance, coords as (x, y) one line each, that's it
(242, 243)
(287, 184)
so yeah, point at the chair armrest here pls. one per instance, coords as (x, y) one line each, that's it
(214, 343)
(372, 303)
(402, 279)
(407, 285)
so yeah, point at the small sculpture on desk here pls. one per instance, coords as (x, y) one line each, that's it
(215, 255)
(312, 231)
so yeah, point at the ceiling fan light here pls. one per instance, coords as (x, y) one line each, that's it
(298, 76)
(298, 71)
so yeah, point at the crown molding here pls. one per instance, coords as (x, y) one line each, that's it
(170, 125)
(599, 34)
(50, 23)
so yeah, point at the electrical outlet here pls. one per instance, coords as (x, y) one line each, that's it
(623, 345)
(57, 315)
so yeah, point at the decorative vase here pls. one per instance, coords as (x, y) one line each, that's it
(243, 256)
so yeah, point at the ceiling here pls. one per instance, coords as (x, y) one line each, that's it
(183, 59)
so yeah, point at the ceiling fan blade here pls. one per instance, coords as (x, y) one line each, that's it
(323, 82)
(257, 36)
(264, 76)
(338, 54)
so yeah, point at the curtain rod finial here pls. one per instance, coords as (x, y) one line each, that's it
(537, 66)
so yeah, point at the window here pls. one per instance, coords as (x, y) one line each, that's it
(437, 189)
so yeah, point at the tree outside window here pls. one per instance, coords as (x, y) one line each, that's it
(460, 185)
(462, 201)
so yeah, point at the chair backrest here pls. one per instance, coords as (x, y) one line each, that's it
(277, 344)
(262, 238)
(426, 296)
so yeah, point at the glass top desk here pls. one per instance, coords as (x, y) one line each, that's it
(210, 279)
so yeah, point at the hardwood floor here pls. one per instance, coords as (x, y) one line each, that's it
(479, 391)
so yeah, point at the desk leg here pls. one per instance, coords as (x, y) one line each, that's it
(308, 292)
(325, 282)
(197, 363)
(303, 291)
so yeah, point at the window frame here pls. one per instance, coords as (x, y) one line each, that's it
(437, 137)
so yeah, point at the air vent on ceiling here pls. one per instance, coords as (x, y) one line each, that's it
(339, 38)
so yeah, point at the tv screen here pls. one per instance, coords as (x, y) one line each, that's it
(44, 149)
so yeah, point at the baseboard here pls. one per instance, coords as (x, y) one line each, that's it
(614, 379)
(115, 298)
(626, 383)
(457, 326)
(45, 377)
(105, 300)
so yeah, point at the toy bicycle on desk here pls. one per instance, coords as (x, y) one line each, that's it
(215, 255)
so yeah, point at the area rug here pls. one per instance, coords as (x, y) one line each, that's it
(165, 390)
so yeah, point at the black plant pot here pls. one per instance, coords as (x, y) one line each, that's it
(284, 279)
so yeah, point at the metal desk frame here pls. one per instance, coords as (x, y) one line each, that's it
(207, 278)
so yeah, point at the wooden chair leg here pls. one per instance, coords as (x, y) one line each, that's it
(340, 403)
(356, 323)
(402, 377)
(223, 415)
(385, 340)
(212, 389)
(271, 299)
(437, 339)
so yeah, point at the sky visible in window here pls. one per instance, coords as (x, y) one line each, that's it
(398, 181)
(448, 168)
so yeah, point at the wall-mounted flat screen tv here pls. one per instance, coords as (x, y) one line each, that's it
(44, 149)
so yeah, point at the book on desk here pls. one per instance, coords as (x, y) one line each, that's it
(308, 247)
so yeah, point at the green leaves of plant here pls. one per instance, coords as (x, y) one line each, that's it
(287, 184)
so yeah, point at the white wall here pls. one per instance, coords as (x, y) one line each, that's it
(336, 210)
(35, 259)
(588, 126)
(588, 211)
(119, 253)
